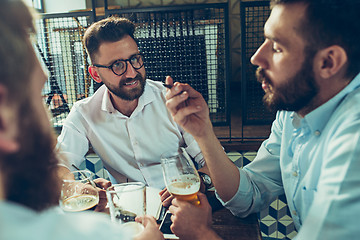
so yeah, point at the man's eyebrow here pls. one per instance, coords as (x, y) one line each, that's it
(268, 34)
(124, 59)
(273, 38)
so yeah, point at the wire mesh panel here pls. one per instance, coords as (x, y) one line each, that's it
(189, 44)
(253, 17)
(61, 50)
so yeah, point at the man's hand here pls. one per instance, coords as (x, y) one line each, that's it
(151, 230)
(188, 108)
(190, 221)
(165, 197)
(102, 185)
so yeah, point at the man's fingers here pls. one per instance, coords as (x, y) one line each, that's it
(202, 197)
(173, 103)
(164, 194)
(167, 201)
(102, 183)
(162, 191)
(147, 220)
(182, 113)
(178, 89)
(169, 81)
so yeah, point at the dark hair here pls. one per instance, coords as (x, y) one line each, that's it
(16, 25)
(332, 22)
(30, 174)
(110, 29)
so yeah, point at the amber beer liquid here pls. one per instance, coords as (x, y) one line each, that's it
(80, 203)
(186, 189)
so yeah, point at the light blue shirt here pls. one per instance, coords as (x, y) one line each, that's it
(315, 161)
(19, 223)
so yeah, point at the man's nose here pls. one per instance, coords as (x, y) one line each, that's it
(259, 57)
(130, 71)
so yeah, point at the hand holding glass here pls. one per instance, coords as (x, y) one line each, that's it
(78, 192)
(180, 176)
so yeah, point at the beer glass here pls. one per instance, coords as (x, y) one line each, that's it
(180, 176)
(78, 192)
(126, 202)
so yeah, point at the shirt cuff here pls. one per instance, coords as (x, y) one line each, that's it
(240, 203)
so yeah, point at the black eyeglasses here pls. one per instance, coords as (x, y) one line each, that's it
(119, 67)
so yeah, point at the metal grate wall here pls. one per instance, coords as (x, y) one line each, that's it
(188, 43)
(253, 17)
(60, 48)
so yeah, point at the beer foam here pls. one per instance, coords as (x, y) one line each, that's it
(184, 188)
(132, 228)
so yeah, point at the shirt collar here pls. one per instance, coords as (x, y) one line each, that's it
(147, 97)
(318, 118)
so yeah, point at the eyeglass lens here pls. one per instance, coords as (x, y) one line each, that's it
(119, 66)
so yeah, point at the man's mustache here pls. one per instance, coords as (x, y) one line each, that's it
(261, 76)
(137, 77)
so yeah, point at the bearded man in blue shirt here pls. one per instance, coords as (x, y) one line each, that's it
(309, 69)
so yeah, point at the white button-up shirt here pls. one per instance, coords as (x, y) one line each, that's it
(129, 147)
(315, 161)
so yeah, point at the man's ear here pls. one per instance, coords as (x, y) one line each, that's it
(94, 74)
(330, 61)
(8, 124)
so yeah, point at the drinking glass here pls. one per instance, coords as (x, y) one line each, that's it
(78, 192)
(180, 176)
(126, 202)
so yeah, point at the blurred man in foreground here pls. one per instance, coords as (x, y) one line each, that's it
(309, 69)
(29, 184)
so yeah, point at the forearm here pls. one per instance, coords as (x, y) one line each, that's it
(224, 174)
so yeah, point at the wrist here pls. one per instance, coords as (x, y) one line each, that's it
(207, 233)
(206, 180)
(206, 136)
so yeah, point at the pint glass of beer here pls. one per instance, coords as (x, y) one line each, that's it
(126, 202)
(180, 176)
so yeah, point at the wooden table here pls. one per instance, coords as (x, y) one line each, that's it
(229, 227)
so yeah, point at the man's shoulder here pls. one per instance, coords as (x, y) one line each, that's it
(91, 101)
(155, 90)
(348, 108)
(155, 85)
(283, 116)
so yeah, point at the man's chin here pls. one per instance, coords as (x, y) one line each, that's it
(270, 102)
(131, 95)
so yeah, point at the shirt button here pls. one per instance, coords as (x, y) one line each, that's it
(294, 213)
(317, 133)
(295, 174)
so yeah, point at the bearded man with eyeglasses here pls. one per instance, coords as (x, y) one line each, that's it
(126, 121)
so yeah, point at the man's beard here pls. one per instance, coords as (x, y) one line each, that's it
(293, 95)
(31, 173)
(131, 94)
